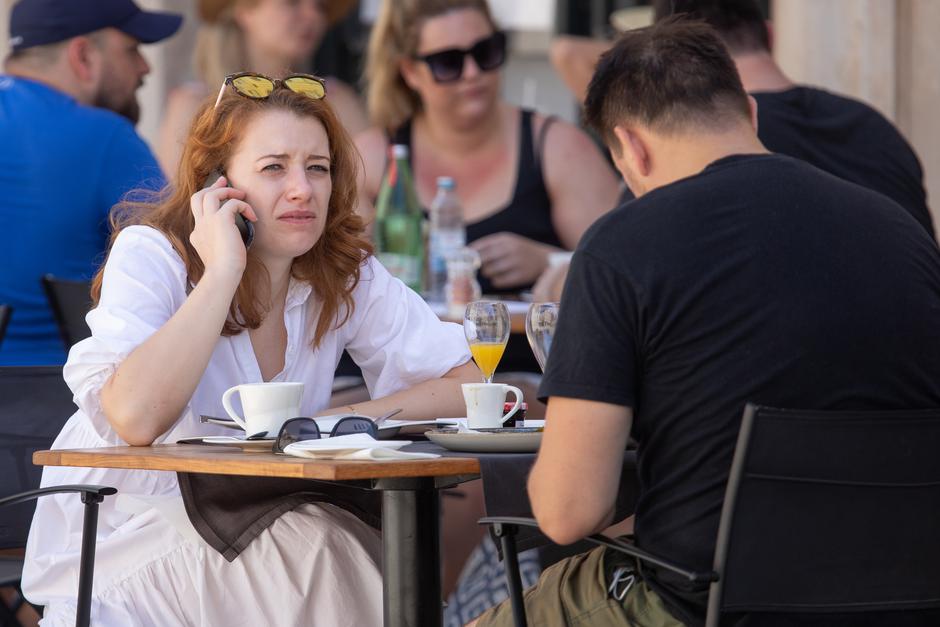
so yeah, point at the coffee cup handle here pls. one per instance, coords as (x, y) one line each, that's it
(518, 394)
(227, 404)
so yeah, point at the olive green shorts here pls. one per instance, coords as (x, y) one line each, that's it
(575, 592)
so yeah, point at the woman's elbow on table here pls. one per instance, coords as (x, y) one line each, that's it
(133, 423)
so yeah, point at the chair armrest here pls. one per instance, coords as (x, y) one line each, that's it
(95, 493)
(614, 544)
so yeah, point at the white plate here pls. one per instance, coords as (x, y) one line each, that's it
(509, 441)
(346, 443)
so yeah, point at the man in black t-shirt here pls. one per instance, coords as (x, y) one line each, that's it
(736, 275)
(840, 135)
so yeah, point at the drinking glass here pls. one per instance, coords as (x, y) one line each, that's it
(486, 325)
(540, 324)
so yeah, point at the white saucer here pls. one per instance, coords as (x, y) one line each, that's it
(495, 441)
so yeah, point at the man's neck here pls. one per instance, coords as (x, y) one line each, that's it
(690, 155)
(759, 72)
(50, 77)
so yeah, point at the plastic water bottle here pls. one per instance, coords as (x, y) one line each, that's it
(445, 237)
(399, 223)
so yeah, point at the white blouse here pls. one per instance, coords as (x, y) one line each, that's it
(392, 335)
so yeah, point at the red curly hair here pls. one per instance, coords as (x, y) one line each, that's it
(331, 267)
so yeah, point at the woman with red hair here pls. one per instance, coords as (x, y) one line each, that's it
(184, 311)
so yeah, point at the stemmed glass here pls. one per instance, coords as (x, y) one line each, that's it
(540, 324)
(486, 325)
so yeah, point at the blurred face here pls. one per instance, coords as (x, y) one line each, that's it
(122, 73)
(285, 29)
(476, 91)
(282, 163)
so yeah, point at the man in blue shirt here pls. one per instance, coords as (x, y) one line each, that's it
(67, 107)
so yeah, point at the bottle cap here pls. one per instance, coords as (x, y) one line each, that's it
(445, 182)
(399, 151)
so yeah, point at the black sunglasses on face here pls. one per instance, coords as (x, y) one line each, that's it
(300, 429)
(447, 65)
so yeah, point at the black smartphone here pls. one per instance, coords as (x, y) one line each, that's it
(245, 228)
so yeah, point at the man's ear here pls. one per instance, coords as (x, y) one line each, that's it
(770, 34)
(752, 104)
(633, 149)
(84, 59)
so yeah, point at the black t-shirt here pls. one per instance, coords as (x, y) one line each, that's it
(761, 279)
(847, 138)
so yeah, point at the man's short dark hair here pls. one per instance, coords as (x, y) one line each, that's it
(673, 76)
(740, 23)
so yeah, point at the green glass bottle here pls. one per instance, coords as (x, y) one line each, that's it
(399, 222)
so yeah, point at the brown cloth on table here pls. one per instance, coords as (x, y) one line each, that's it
(230, 511)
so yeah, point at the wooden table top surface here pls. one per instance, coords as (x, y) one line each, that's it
(228, 460)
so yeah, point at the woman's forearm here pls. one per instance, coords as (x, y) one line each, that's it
(437, 398)
(151, 387)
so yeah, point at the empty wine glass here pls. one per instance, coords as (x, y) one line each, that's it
(486, 325)
(540, 324)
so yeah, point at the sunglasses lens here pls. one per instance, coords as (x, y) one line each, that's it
(446, 66)
(350, 425)
(253, 86)
(296, 430)
(490, 53)
(309, 87)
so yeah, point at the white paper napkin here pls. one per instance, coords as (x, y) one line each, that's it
(356, 446)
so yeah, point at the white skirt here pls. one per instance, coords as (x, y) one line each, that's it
(316, 565)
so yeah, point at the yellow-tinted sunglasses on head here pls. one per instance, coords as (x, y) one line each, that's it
(259, 86)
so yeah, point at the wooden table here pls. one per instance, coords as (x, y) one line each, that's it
(410, 505)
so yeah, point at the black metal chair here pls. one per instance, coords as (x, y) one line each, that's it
(5, 313)
(69, 301)
(34, 405)
(824, 512)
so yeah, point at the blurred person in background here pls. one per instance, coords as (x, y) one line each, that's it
(272, 37)
(529, 184)
(68, 105)
(840, 135)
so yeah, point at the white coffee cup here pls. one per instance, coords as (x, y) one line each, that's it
(485, 403)
(267, 406)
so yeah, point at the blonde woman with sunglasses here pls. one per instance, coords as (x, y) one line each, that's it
(270, 36)
(529, 184)
(183, 311)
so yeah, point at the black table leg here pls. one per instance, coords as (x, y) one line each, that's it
(411, 546)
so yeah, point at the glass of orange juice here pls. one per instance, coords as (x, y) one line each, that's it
(486, 325)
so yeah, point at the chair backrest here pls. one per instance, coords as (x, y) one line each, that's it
(69, 301)
(5, 312)
(35, 403)
(831, 511)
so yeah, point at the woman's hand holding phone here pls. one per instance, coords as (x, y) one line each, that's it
(215, 235)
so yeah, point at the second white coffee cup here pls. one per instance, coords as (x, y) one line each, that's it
(485, 404)
(266, 406)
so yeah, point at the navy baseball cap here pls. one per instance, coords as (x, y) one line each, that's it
(40, 22)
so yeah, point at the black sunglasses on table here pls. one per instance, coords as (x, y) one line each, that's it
(300, 429)
(447, 65)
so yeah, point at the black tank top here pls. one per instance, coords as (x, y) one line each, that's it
(528, 213)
